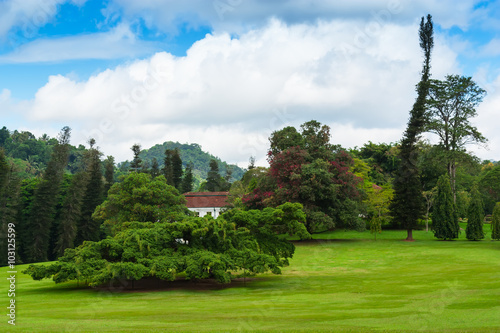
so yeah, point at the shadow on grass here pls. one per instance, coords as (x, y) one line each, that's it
(148, 285)
(333, 240)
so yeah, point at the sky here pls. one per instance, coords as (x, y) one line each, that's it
(227, 73)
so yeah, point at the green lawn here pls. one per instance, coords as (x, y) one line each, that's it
(349, 283)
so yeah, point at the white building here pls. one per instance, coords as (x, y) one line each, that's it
(206, 202)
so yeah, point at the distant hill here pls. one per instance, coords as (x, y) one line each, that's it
(190, 153)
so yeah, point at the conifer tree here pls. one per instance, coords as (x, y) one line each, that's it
(136, 163)
(109, 173)
(408, 205)
(445, 217)
(43, 207)
(168, 170)
(155, 168)
(9, 204)
(495, 222)
(88, 228)
(213, 177)
(187, 181)
(70, 213)
(475, 216)
(177, 169)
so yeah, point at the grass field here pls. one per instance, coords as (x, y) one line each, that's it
(346, 282)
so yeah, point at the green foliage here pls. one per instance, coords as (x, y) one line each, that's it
(140, 198)
(109, 172)
(445, 217)
(70, 214)
(200, 248)
(9, 203)
(136, 163)
(408, 204)
(377, 201)
(495, 222)
(489, 182)
(88, 228)
(215, 182)
(43, 208)
(311, 172)
(189, 154)
(475, 216)
(187, 181)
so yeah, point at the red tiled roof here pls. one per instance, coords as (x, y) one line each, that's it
(206, 199)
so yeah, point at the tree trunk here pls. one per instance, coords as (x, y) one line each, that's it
(409, 238)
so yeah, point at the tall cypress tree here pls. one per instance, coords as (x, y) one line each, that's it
(88, 228)
(408, 204)
(109, 173)
(187, 181)
(475, 216)
(495, 222)
(70, 213)
(445, 217)
(213, 177)
(43, 207)
(177, 169)
(168, 170)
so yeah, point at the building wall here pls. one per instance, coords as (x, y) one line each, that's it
(202, 211)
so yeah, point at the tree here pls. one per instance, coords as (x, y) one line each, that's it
(213, 178)
(109, 172)
(155, 168)
(187, 181)
(378, 201)
(407, 206)
(140, 198)
(495, 222)
(136, 163)
(88, 228)
(445, 217)
(168, 168)
(429, 196)
(489, 181)
(43, 207)
(70, 213)
(198, 248)
(306, 168)
(9, 205)
(177, 172)
(451, 104)
(475, 216)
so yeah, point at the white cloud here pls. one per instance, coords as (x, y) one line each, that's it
(229, 94)
(119, 42)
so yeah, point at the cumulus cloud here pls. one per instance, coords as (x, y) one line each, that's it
(228, 94)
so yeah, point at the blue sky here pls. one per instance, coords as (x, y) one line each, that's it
(226, 73)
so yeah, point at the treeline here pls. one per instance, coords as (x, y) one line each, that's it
(191, 155)
(52, 207)
(53, 212)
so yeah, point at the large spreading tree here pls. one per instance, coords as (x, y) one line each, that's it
(306, 168)
(147, 245)
(450, 106)
(408, 203)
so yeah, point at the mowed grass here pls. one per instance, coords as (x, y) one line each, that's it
(343, 281)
